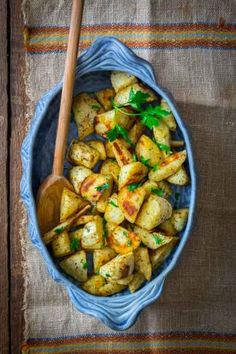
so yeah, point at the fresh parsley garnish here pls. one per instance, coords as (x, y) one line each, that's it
(85, 265)
(74, 244)
(164, 147)
(155, 167)
(157, 191)
(133, 186)
(129, 243)
(157, 239)
(136, 99)
(96, 107)
(59, 230)
(113, 204)
(125, 233)
(134, 157)
(107, 275)
(152, 116)
(145, 162)
(118, 131)
(103, 187)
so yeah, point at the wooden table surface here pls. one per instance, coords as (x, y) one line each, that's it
(12, 111)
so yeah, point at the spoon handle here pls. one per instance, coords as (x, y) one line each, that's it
(68, 85)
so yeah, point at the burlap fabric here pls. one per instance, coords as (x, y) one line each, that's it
(199, 295)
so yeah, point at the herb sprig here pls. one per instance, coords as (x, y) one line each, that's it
(118, 131)
(158, 191)
(133, 186)
(103, 187)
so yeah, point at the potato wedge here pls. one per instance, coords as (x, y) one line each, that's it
(136, 131)
(76, 266)
(153, 212)
(125, 281)
(119, 267)
(70, 204)
(179, 218)
(105, 96)
(99, 146)
(130, 202)
(162, 136)
(159, 255)
(169, 166)
(113, 213)
(136, 282)
(101, 257)
(109, 150)
(95, 186)
(93, 284)
(142, 262)
(85, 109)
(161, 189)
(122, 154)
(147, 150)
(84, 219)
(123, 241)
(107, 121)
(82, 154)
(61, 245)
(169, 120)
(122, 97)
(180, 178)
(110, 226)
(77, 175)
(168, 228)
(111, 167)
(102, 202)
(152, 240)
(120, 80)
(132, 173)
(92, 237)
(111, 288)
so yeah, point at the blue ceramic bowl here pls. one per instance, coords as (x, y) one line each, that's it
(93, 68)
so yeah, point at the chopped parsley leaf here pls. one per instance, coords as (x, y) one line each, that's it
(107, 275)
(135, 157)
(117, 131)
(145, 162)
(157, 191)
(157, 239)
(102, 187)
(129, 243)
(133, 186)
(113, 204)
(96, 107)
(85, 265)
(59, 230)
(74, 244)
(164, 147)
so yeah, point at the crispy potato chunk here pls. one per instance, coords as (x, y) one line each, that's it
(147, 150)
(105, 96)
(124, 281)
(113, 213)
(76, 266)
(132, 173)
(169, 166)
(169, 120)
(77, 175)
(162, 135)
(136, 131)
(161, 188)
(123, 241)
(99, 146)
(122, 154)
(153, 212)
(101, 257)
(92, 237)
(85, 109)
(93, 284)
(120, 80)
(111, 167)
(152, 240)
(95, 186)
(82, 154)
(122, 97)
(84, 219)
(119, 267)
(180, 178)
(177, 221)
(111, 288)
(102, 203)
(168, 227)
(136, 282)
(109, 150)
(61, 245)
(159, 255)
(130, 202)
(142, 262)
(70, 204)
(107, 121)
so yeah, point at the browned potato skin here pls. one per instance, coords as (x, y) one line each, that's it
(104, 97)
(111, 167)
(109, 150)
(70, 204)
(132, 173)
(122, 154)
(90, 187)
(147, 149)
(131, 202)
(122, 240)
(77, 175)
(82, 154)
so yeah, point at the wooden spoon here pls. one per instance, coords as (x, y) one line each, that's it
(49, 193)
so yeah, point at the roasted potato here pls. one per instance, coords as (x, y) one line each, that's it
(137, 280)
(113, 213)
(153, 212)
(132, 173)
(119, 267)
(99, 146)
(70, 204)
(84, 219)
(105, 97)
(147, 151)
(122, 154)
(107, 121)
(61, 245)
(159, 255)
(82, 154)
(122, 97)
(121, 80)
(130, 202)
(85, 109)
(76, 266)
(142, 262)
(162, 136)
(111, 288)
(102, 202)
(111, 167)
(76, 235)
(77, 175)
(101, 257)
(180, 178)
(93, 284)
(95, 186)
(152, 240)
(162, 189)
(124, 281)
(179, 218)
(169, 120)
(167, 227)
(169, 166)
(123, 241)
(92, 237)
(136, 131)
(109, 150)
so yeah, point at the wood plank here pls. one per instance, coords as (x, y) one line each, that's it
(4, 332)
(18, 107)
